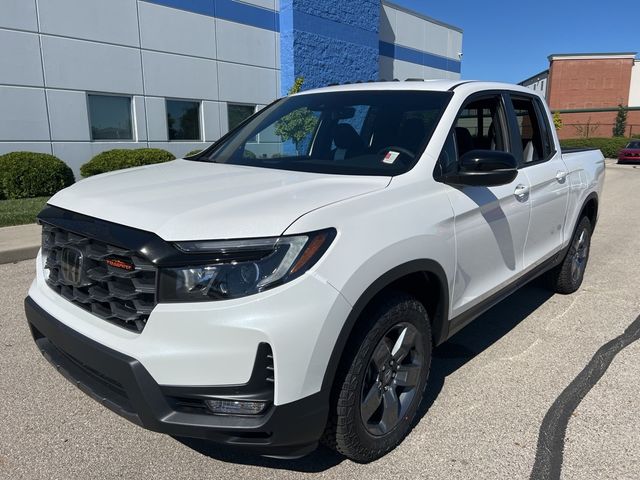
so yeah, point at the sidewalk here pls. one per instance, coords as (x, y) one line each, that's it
(19, 243)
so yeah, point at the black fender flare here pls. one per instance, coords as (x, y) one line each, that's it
(439, 324)
(591, 196)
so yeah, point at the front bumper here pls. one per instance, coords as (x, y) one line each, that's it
(122, 384)
(214, 343)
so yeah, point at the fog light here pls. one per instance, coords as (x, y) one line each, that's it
(236, 407)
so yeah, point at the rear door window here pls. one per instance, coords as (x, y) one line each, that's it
(534, 135)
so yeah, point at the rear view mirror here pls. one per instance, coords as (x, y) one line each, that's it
(486, 168)
(344, 113)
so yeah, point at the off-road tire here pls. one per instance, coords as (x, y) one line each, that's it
(346, 431)
(563, 278)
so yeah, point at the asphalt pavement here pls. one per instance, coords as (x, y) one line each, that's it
(541, 386)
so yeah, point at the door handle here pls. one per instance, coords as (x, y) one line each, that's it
(561, 175)
(521, 191)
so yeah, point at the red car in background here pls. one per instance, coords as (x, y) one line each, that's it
(630, 153)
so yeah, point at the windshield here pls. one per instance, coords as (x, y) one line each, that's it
(633, 145)
(358, 133)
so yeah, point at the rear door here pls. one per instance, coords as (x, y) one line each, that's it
(490, 222)
(547, 176)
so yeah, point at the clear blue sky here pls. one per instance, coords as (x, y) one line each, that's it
(510, 40)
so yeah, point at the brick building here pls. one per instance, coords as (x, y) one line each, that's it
(586, 90)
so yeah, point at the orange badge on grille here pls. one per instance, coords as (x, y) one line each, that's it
(116, 263)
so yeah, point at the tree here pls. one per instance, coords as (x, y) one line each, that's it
(621, 122)
(297, 86)
(557, 120)
(296, 125)
(586, 130)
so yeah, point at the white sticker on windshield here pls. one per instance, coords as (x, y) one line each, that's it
(390, 157)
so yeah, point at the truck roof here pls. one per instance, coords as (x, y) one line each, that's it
(420, 85)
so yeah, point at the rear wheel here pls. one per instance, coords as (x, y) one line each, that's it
(382, 381)
(567, 277)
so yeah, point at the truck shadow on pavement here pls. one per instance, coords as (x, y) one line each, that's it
(448, 357)
(479, 335)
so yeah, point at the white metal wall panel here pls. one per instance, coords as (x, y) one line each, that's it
(113, 21)
(455, 44)
(139, 118)
(156, 119)
(385, 68)
(436, 39)
(430, 73)
(244, 44)
(403, 70)
(82, 65)
(268, 4)
(41, 147)
(20, 14)
(23, 114)
(169, 75)
(387, 24)
(20, 58)
(75, 154)
(68, 114)
(410, 31)
(634, 93)
(246, 84)
(176, 31)
(211, 116)
(179, 149)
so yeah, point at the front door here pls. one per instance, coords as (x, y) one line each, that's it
(490, 222)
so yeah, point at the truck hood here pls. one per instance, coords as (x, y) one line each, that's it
(190, 200)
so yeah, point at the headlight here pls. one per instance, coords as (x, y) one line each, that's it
(241, 267)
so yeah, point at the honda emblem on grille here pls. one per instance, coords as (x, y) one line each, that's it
(71, 266)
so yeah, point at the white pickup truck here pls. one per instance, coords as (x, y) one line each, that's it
(288, 284)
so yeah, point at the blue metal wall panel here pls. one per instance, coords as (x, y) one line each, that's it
(247, 14)
(412, 55)
(228, 10)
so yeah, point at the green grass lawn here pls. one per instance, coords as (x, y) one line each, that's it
(19, 212)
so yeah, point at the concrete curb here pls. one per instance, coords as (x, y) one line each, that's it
(21, 242)
(18, 254)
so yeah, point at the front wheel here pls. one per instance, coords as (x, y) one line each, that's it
(567, 277)
(383, 379)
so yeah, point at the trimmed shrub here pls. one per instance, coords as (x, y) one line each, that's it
(193, 152)
(31, 174)
(609, 146)
(124, 158)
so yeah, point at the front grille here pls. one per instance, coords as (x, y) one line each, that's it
(119, 295)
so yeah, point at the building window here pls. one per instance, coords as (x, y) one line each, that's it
(183, 119)
(238, 113)
(110, 117)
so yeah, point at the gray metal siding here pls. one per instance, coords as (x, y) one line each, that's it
(135, 48)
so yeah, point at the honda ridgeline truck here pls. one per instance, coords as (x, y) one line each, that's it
(288, 284)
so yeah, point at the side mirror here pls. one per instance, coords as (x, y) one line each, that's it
(484, 168)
